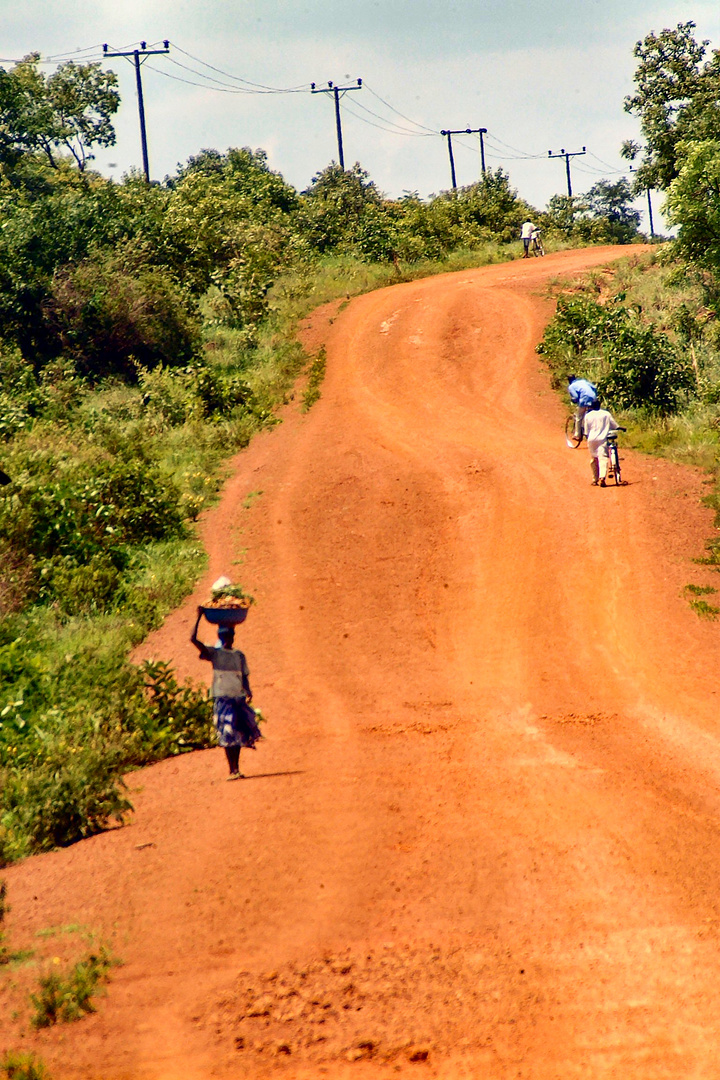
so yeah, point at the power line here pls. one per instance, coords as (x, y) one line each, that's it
(237, 78)
(605, 163)
(191, 82)
(222, 85)
(74, 52)
(430, 131)
(394, 130)
(521, 153)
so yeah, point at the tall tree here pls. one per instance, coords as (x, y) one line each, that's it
(677, 98)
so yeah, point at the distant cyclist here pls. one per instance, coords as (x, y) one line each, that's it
(584, 395)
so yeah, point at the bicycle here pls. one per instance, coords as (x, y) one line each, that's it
(537, 245)
(614, 472)
(573, 440)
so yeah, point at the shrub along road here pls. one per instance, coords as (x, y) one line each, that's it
(481, 838)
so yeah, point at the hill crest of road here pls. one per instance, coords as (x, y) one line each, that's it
(480, 838)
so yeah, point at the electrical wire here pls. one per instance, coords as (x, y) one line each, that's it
(75, 52)
(430, 131)
(382, 127)
(238, 78)
(605, 163)
(211, 79)
(515, 149)
(191, 82)
(396, 128)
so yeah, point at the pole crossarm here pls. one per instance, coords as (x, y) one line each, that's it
(337, 92)
(567, 154)
(138, 56)
(143, 51)
(448, 133)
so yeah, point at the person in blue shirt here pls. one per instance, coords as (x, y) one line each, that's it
(583, 395)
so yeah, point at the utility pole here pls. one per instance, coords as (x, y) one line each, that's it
(464, 131)
(138, 56)
(567, 155)
(652, 227)
(650, 213)
(337, 92)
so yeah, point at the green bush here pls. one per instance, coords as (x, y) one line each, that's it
(61, 770)
(179, 715)
(82, 589)
(106, 319)
(198, 391)
(20, 1065)
(69, 525)
(69, 997)
(637, 366)
(63, 799)
(579, 323)
(645, 370)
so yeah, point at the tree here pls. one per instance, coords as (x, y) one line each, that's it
(69, 110)
(342, 210)
(677, 98)
(562, 214)
(611, 203)
(229, 222)
(693, 203)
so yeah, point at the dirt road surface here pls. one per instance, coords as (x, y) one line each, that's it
(481, 839)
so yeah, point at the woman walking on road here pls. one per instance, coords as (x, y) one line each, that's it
(235, 722)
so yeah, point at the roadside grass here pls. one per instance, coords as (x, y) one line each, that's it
(22, 1065)
(705, 610)
(68, 996)
(59, 979)
(316, 374)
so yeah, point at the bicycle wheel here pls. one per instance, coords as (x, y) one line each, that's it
(615, 459)
(571, 438)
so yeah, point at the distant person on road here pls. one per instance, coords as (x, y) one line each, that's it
(583, 395)
(526, 235)
(235, 722)
(597, 425)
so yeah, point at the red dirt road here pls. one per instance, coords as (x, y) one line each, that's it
(481, 839)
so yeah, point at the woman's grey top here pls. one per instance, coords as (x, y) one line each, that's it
(229, 666)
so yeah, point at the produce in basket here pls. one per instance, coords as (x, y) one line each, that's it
(224, 594)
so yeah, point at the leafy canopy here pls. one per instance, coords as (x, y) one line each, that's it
(693, 203)
(677, 98)
(69, 110)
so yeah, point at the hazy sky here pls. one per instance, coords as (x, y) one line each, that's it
(538, 74)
